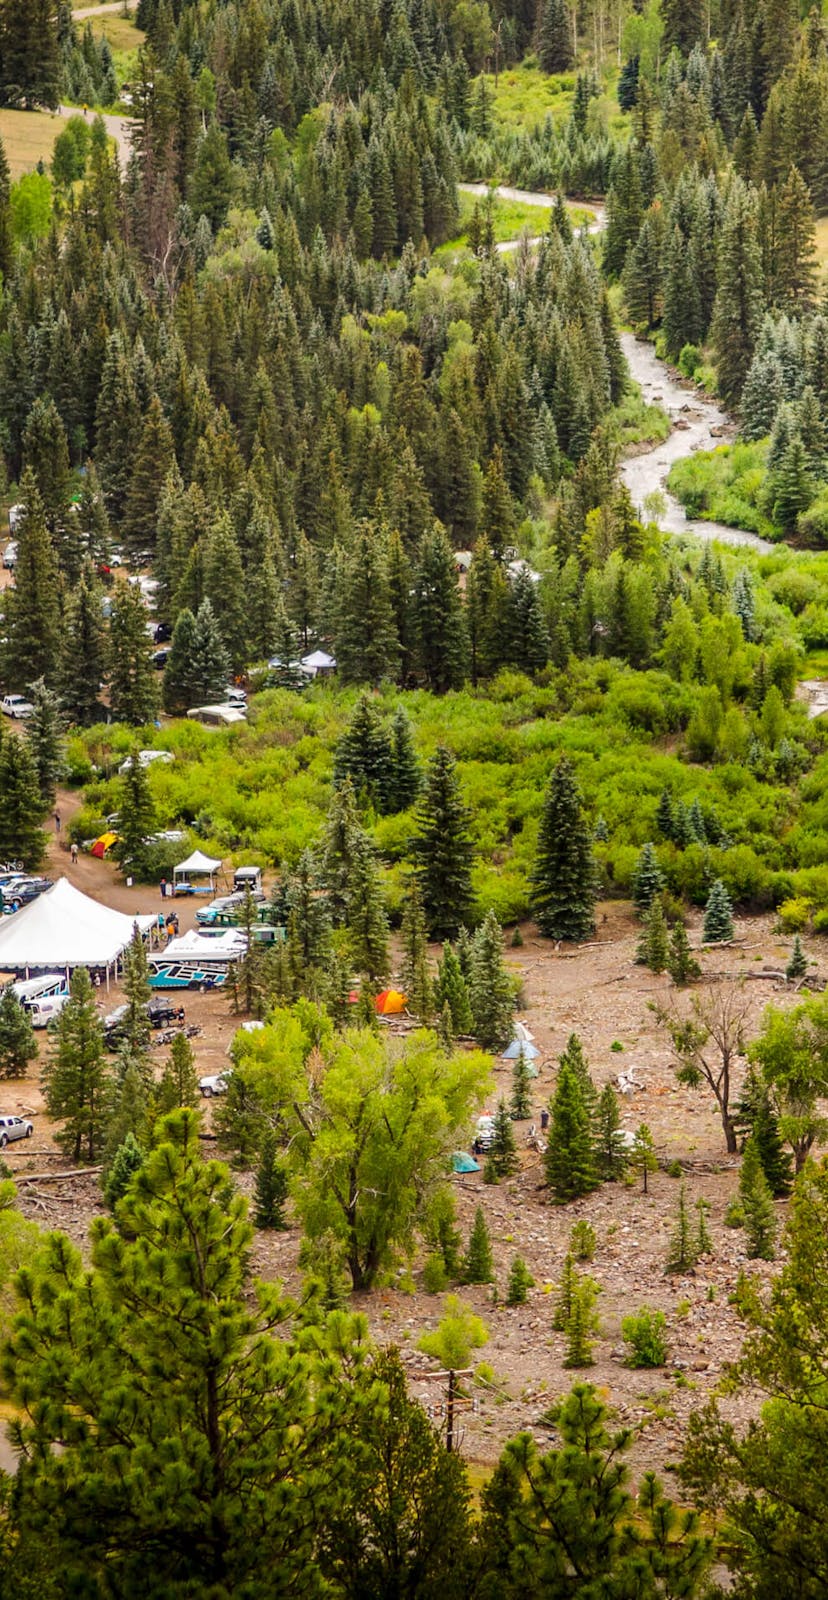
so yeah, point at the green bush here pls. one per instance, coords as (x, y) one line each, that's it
(689, 360)
(794, 915)
(435, 1277)
(644, 1334)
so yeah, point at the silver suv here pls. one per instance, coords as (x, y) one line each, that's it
(14, 1128)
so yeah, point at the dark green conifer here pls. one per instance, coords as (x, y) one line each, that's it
(478, 1265)
(443, 848)
(563, 878)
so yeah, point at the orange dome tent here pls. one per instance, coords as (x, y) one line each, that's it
(390, 1003)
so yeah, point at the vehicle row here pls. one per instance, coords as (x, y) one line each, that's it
(19, 888)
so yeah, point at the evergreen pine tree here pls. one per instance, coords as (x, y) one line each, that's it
(681, 965)
(642, 1157)
(443, 848)
(21, 807)
(405, 777)
(440, 626)
(153, 460)
(520, 1282)
(563, 1301)
(757, 1206)
(76, 1078)
(363, 754)
(582, 1322)
(653, 947)
(179, 688)
(451, 990)
(127, 1160)
(83, 652)
(570, 1164)
(756, 1110)
(718, 915)
(704, 1243)
(367, 919)
(738, 308)
(491, 991)
(365, 636)
(179, 1081)
(137, 818)
(798, 963)
(664, 814)
(271, 1186)
(225, 591)
(44, 730)
(563, 877)
(32, 649)
(503, 1155)
(416, 981)
(18, 1045)
(555, 51)
(793, 484)
(648, 878)
(609, 1155)
(211, 662)
(683, 1253)
(478, 1265)
(521, 1104)
(136, 1026)
(132, 678)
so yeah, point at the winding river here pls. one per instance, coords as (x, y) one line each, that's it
(697, 422)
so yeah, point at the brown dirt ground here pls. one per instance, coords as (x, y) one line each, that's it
(599, 992)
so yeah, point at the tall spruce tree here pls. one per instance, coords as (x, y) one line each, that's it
(18, 1045)
(757, 1206)
(76, 1079)
(738, 309)
(44, 730)
(133, 690)
(570, 1163)
(718, 915)
(554, 39)
(21, 806)
(443, 849)
(83, 651)
(563, 878)
(491, 990)
(32, 648)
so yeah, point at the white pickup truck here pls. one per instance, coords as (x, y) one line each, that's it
(16, 705)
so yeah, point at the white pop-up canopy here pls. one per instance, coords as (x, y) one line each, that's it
(63, 928)
(198, 865)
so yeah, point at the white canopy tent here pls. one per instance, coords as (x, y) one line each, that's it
(64, 928)
(198, 865)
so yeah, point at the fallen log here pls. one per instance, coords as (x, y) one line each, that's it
(55, 1177)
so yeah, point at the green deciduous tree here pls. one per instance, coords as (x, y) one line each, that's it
(791, 1052)
(376, 1142)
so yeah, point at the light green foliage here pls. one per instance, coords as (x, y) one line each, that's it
(791, 1052)
(645, 1334)
(128, 1158)
(581, 1323)
(458, 1333)
(582, 1241)
(374, 1140)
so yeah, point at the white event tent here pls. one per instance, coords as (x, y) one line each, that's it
(198, 865)
(62, 929)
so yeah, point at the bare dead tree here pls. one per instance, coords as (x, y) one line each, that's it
(707, 1035)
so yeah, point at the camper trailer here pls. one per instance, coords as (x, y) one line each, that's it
(248, 878)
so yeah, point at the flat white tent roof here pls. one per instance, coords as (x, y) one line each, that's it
(65, 928)
(197, 865)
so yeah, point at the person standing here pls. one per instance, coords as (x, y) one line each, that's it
(74, 854)
(57, 822)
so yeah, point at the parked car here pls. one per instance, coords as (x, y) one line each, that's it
(160, 658)
(26, 890)
(16, 705)
(12, 1128)
(214, 1083)
(235, 697)
(161, 1013)
(10, 555)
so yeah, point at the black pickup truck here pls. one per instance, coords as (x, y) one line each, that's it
(162, 1013)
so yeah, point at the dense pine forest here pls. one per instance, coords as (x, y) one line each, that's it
(277, 387)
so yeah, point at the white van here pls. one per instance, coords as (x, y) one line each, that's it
(46, 1008)
(27, 990)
